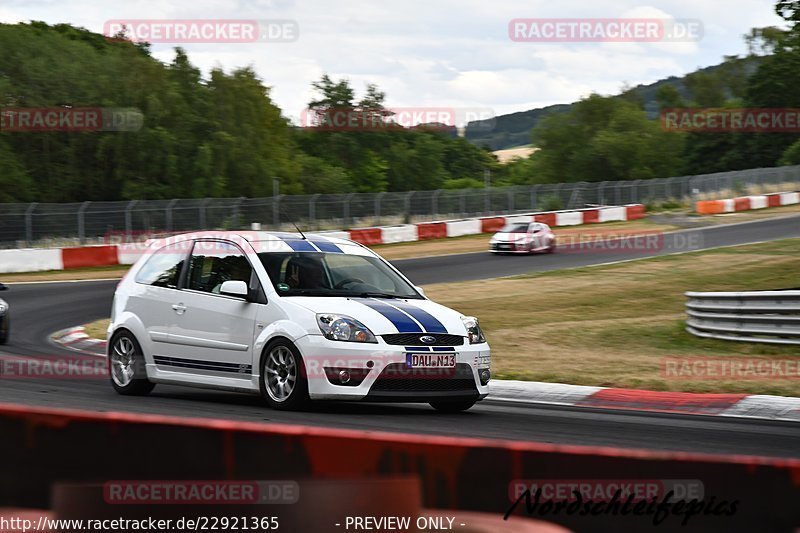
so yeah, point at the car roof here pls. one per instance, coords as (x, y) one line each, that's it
(275, 241)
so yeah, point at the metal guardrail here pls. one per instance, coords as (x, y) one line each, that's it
(756, 316)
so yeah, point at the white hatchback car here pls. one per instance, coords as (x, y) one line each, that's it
(293, 318)
(523, 238)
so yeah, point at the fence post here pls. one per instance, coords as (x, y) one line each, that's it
(170, 205)
(463, 202)
(129, 220)
(203, 218)
(435, 203)
(407, 206)
(312, 209)
(82, 222)
(346, 208)
(378, 198)
(534, 197)
(237, 206)
(29, 224)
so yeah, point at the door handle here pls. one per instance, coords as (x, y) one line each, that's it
(179, 308)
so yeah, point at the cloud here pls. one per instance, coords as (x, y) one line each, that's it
(432, 53)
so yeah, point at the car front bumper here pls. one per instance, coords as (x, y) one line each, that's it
(378, 372)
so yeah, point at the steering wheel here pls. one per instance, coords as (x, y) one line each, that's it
(347, 281)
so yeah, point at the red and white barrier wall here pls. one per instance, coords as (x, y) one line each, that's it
(39, 259)
(474, 226)
(746, 203)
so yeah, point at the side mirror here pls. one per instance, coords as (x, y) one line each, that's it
(419, 290)
(3, 287)
(234, 288)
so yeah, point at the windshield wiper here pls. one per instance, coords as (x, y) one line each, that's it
(386, 295)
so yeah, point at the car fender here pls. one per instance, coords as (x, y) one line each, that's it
(281, 328)
(131, 322)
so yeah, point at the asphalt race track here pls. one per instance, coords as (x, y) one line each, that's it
(481, 265)
(42, 308)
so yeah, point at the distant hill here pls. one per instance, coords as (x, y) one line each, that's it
(512, 130)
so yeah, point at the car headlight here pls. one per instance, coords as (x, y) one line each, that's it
(344, 328)
(3, 307)
(474, 331)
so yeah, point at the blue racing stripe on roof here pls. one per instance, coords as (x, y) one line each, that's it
(327, 246)
(400, 320)
(428, 321)
(300, 246)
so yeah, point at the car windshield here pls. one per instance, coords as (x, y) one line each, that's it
(334, 274)
(515, 228)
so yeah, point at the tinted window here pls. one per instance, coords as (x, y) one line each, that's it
(163, 269)
(515, 227)
(333, 274)
(215, 262)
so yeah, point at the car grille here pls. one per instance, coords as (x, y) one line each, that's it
(396, 377)
(412, 339)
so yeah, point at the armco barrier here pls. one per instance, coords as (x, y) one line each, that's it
(44, 446)
(127, 253)
(746, 203)
(771, 317)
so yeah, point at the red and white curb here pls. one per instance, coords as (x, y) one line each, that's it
(76, 340)
(535, 392)
(731, 405)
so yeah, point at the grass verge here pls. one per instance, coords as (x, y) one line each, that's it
(612, 325)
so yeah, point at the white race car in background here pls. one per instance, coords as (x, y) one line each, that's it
(5, 321)
(523, 238)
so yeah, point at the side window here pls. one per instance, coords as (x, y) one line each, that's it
(163, 269)
(215, 262)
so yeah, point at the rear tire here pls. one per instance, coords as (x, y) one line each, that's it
(282, 377)
(453, 407)
(126, 366)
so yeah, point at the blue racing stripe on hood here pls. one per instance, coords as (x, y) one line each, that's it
(400, 320)
(428, 321)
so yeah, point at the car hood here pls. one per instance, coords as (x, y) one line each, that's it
(387, 315)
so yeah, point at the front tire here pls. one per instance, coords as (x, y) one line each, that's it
(453, 407)
(282, 377)
(5, 330)
(126, 366)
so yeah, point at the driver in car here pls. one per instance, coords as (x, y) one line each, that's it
(306, 273)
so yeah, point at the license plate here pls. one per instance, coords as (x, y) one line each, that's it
(431, 360)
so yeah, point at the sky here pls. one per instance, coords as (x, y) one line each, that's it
(432, 53)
